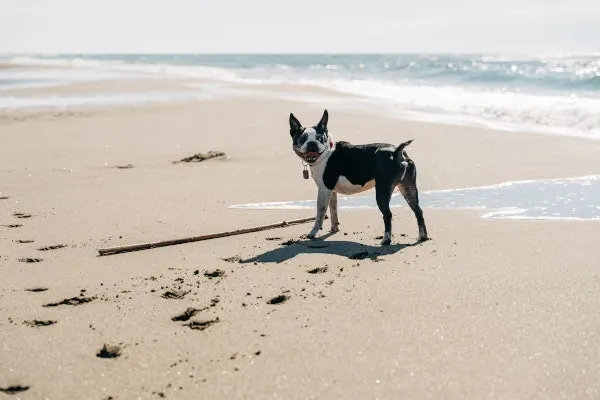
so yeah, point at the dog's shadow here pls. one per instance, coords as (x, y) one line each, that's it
(343, 248)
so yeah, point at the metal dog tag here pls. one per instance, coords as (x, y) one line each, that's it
(305, 174)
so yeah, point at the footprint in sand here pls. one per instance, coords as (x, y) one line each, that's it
(109, 351)
(282, 298)
(24, 241)
(187, 314)
(202, 325)
(233, 259)
(12, 226)
(14, 389)
(318, 270)
(37, 323)
(174, 294)
(21, 215)
(31, 260)
(214, 274)
(55, 247)
(4, 197)
(73, 301)
(36, 289)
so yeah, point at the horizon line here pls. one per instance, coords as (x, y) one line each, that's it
(70, 53)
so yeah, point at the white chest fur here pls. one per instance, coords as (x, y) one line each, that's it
(344, 186)
(317, 170)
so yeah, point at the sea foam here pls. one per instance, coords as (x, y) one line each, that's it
(568, 198)
(544, 94)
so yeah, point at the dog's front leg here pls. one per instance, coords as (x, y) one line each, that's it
(323, 199)
(333, 211)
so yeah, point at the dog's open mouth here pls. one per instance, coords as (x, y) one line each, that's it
(310, 157)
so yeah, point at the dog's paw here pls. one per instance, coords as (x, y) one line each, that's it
(334, 228)
(423, 237)
(313, 233)
(387, 239)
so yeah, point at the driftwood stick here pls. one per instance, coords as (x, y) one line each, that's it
(152, 245)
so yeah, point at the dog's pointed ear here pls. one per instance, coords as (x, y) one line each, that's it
(295, 125)
(323, 122)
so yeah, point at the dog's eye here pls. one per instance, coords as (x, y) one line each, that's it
(302, 139)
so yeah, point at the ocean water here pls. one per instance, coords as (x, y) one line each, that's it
(557, 94)
(571, 199)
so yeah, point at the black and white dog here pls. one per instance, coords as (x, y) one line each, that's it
(343, 168)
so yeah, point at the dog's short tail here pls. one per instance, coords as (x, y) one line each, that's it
(402, 157)
(400, 148)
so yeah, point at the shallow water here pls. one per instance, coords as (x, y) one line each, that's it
(572, 198)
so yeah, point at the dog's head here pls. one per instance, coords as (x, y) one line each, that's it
(310, 143)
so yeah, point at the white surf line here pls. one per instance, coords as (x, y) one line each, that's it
(290, 203)
(511, 183)
(506, 212)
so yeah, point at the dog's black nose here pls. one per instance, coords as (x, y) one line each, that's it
(312, 147)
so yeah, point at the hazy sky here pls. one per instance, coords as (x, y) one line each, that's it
(201, 26)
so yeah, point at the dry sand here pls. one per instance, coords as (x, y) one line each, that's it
(487, 309)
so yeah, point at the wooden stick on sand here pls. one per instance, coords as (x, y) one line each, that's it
(152, 245)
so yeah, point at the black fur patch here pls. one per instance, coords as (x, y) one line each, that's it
(361, 164)
(299, 139)
(322, 135)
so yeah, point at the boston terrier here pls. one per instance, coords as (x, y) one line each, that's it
(347, 169)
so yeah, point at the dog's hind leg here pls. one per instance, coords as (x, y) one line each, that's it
(333, 210)
(323, 199)
(383, 195)
(408, 188)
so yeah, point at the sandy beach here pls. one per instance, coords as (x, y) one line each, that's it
(494, 309)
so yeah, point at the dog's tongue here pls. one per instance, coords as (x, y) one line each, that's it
(312, 154)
